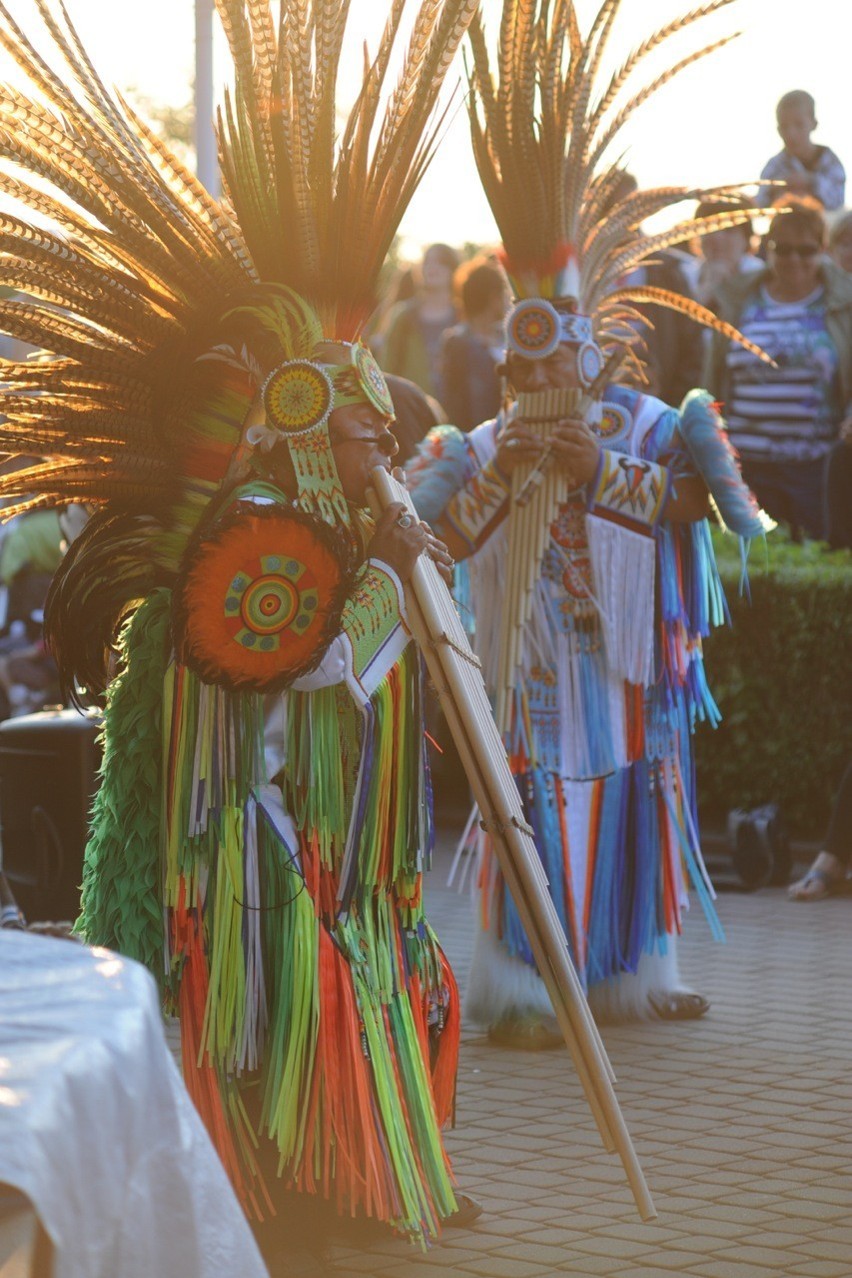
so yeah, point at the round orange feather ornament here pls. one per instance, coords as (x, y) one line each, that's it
(260, 597)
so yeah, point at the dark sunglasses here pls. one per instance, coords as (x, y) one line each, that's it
(387, 442)
(800, 250)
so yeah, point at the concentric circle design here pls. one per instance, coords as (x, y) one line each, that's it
(372, 380)
(589, 362)
(569, 532)
(297, 396)
(569, 527)
(614, 423)
(260, 596)
(270, 597)
(533, 329)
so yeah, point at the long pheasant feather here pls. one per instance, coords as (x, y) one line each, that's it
(649, 295)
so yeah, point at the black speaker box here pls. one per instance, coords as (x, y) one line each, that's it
(48, 777)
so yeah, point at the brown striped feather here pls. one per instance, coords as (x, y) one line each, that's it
(649, 295)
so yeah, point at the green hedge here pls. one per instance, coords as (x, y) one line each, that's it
(782, 676)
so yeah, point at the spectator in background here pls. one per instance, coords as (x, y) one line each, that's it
(411, 337)
(785, 420)
(674, 347)
(840, 241)
(416, 414)
(472, 351)
(830, 871)
(806, 167)
(838, 482)
(402, 287)
(720, 255)
(672, 343)
(31, 550)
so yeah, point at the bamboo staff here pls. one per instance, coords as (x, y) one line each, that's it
(456, 673)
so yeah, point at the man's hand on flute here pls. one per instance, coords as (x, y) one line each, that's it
(576, 450)
(517, 443)
(399, 540)
(571, 445)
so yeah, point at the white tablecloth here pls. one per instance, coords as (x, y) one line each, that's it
(96, 1127)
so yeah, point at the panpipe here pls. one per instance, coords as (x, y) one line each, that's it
(456, 673)
(539, 488)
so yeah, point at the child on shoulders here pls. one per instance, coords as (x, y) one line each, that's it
(806, 167)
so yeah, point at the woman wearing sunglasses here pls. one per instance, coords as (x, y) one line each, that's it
(784, 421)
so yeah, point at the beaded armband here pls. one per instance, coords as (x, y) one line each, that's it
(373, 630)
(476, 507)
(629, 491)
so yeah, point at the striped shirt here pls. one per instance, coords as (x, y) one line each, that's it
(790, 412)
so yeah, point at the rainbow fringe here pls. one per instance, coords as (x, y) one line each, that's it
(311, 968)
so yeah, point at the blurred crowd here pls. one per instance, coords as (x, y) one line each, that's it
(782, 277)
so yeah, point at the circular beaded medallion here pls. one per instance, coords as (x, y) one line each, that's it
(615, 422)
(372, 379)
(297, 396)
(533, 329)
(589, 363)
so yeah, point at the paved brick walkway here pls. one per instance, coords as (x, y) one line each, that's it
(742, 1121)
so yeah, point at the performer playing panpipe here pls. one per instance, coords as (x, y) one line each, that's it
(581, 510)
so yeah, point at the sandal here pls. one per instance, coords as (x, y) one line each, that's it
(678, 1005)
(465, 1214)
(825, 877)
(527, 1034)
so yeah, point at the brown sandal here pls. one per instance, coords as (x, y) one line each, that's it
(678, 1005)
(467, 1211)
(527, 1034)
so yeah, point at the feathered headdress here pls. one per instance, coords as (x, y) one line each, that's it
(161, 314)
(542, 134)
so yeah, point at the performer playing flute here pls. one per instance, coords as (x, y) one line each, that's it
(262, 826)
(591, 572)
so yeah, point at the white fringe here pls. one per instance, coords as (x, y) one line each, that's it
(625, 997)
(624, 568)
(487, 570)
(503, 987)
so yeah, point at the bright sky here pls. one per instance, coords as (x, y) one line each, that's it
(714, 124)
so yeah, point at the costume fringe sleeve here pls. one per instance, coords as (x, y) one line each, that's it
(705, 435)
